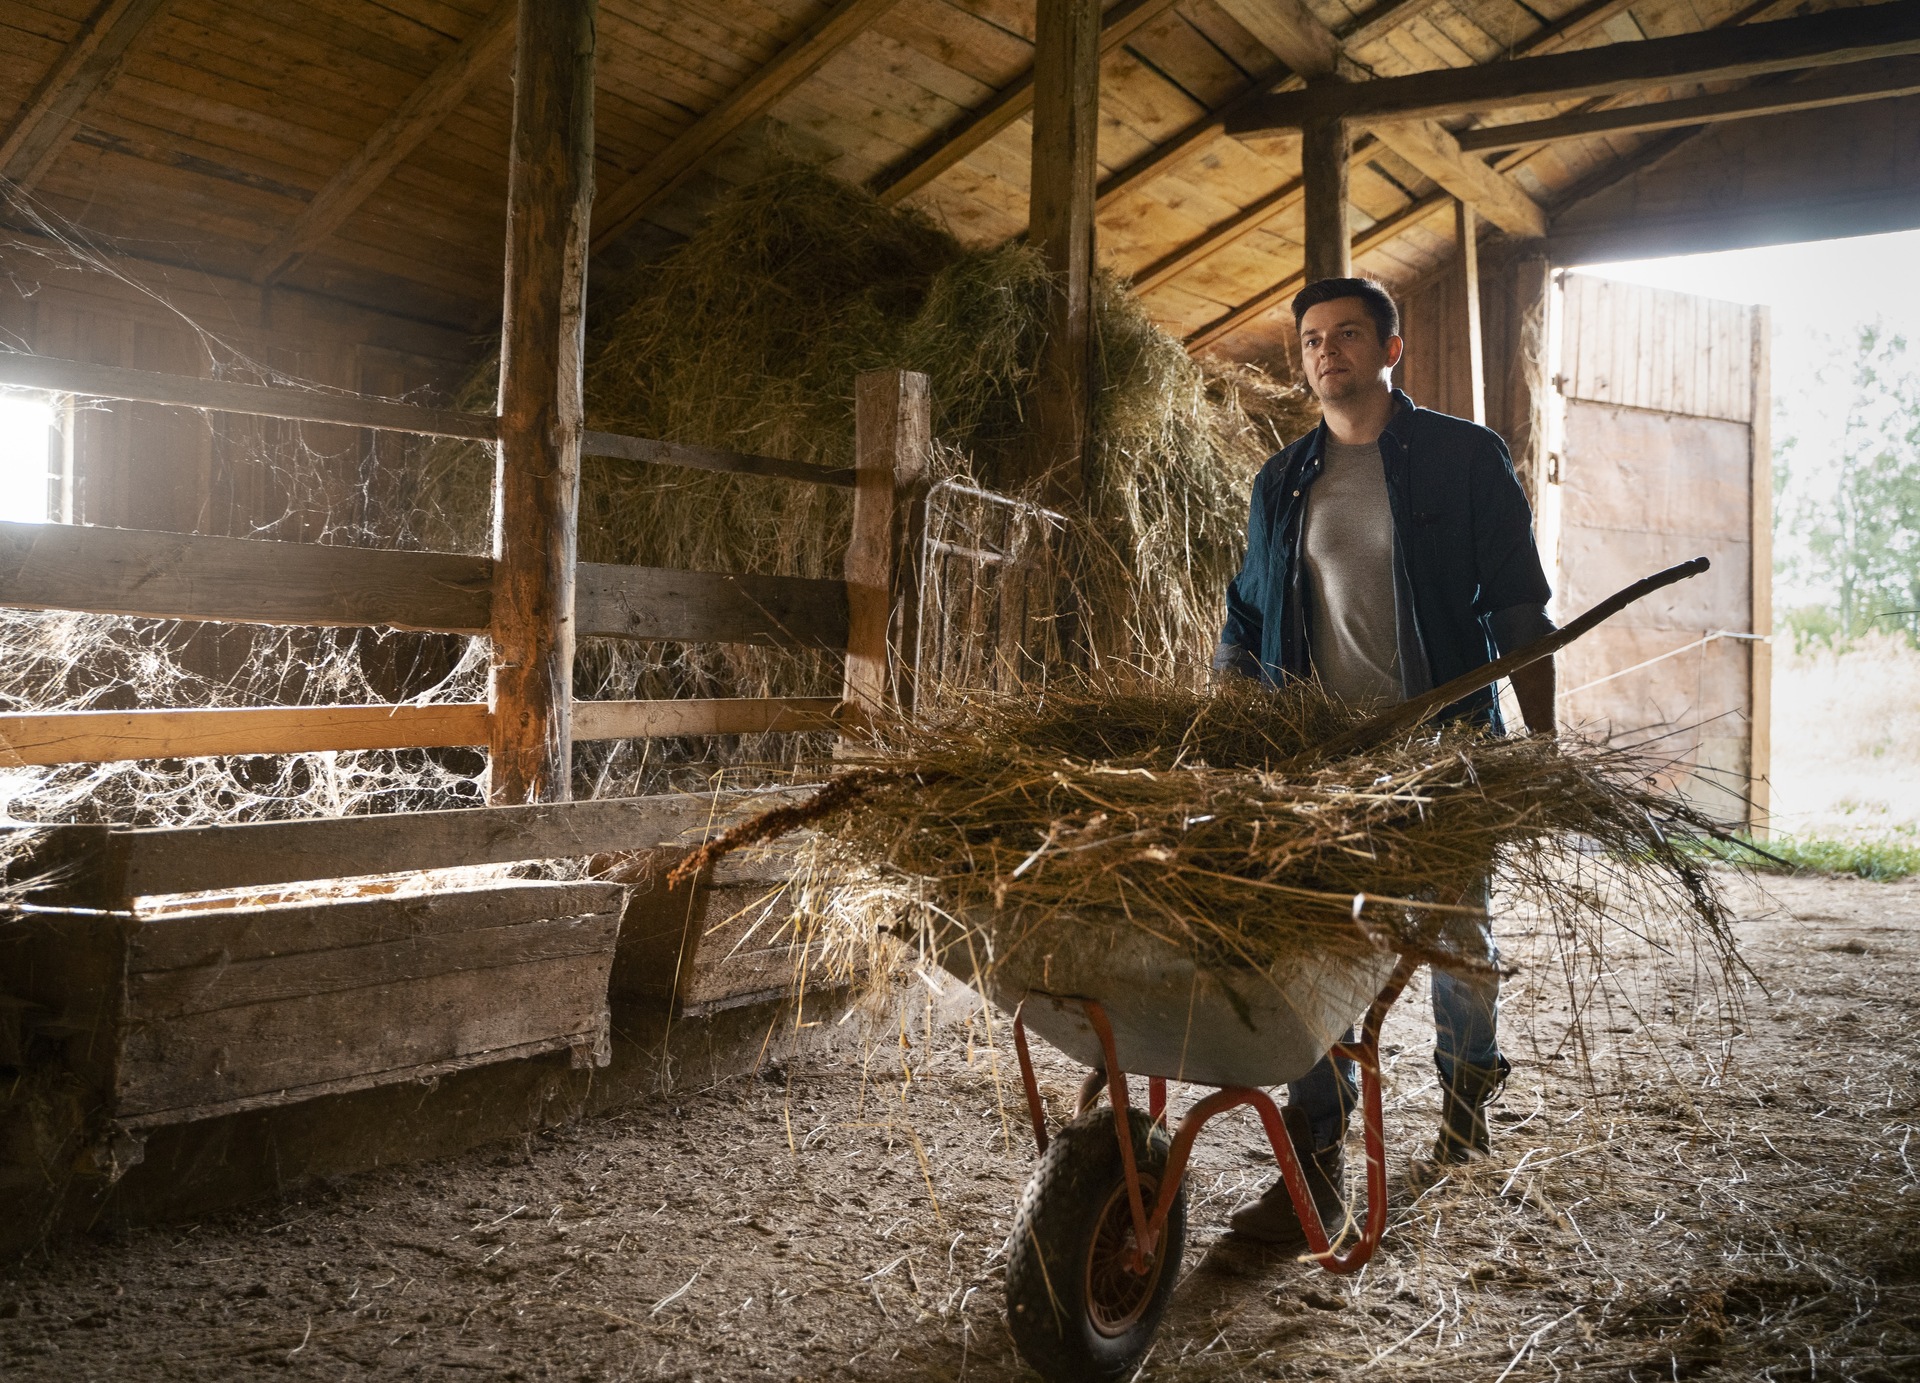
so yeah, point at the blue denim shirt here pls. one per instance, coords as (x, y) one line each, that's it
(1468, 582)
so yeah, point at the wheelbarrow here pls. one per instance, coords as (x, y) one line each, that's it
(1100, 1229)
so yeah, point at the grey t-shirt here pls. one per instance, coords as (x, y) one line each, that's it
(1348, 548)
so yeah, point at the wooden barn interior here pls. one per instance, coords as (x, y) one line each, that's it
(231, 226)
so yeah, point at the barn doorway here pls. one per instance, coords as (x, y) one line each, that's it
(1836, 346)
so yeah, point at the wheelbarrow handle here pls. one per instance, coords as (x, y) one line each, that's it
(1408, 714)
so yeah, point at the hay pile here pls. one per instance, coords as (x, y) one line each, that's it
(750, 336)
(1210, 820)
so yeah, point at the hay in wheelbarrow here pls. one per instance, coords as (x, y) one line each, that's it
(1211, 819)
(1251, 828)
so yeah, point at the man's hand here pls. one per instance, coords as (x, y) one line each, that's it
(1534, 687)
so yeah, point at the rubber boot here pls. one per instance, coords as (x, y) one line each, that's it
(1463, 1135)
(1272, 1219)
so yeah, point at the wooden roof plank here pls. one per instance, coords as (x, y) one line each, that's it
(90, 62)
(796, 62)
(419, 115)
(1013, 102)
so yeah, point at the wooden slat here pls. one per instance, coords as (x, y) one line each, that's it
(194, 940)
(742, 715)
(270, 1053)
(74, 737)
(1846, 87)
(126, 571)
(633, 199)
(228, 983)
(536, 498)
(42, 129)
(480, 56)
(1009, 104)
(221, 396)
(70, 737)
(1833, 36)
(709, 607)
(107, 868)
(710, 459)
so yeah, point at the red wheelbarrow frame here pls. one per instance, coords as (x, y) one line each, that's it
(1147, 1226)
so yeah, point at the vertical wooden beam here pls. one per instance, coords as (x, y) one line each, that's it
(537, 485)
(1466, 233)
(893, 434)
(1760, 742)
(1066, 128)
(1323, 173)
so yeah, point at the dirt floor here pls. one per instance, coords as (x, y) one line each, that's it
(1714, 1197)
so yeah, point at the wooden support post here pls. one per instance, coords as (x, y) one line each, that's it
(537, 489)
(1066, 128)
(892, 437)
(1323, 170)
(1466, 232)
(1760, 729)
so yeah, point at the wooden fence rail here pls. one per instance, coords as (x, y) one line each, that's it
(67, 737)
(224, 396)
(130, 571)
(104, 867)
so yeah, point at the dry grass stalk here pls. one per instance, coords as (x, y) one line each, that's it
(1207, 819)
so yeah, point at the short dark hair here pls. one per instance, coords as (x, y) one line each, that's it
(1372, 295)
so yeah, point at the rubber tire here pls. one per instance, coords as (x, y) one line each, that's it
(1053, 1235)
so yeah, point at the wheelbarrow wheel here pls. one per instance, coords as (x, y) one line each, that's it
(1077, 1310)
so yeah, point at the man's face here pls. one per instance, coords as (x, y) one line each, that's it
(1342, 350)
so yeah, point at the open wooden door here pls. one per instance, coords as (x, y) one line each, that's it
(1660, 451)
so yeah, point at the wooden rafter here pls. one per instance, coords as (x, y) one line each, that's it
(1313, 51)
(481, 55)
(1565, 29)
(1163, 158)
(90, 62)
(1828, 38)
(1008, 105)
(629, 203)
(1845, 87)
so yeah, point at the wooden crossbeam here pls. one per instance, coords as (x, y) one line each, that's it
(70, 737)
(1009, 104)
(711, 459)
(628, 204)
(481, 55)
(148, 574)
(224, 396)
(708, 607)
(1569, 26)
(1824, 39)
(1382, 19)
(93, 866)
(48, 120)
(154, 575)
(1866, 82)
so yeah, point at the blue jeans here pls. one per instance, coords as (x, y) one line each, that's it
(1466, 1021)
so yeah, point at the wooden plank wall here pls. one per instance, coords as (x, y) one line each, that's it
(1657, 459)
(1513, 294)
(146, 466)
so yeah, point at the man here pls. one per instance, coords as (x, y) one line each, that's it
(1389, 550)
